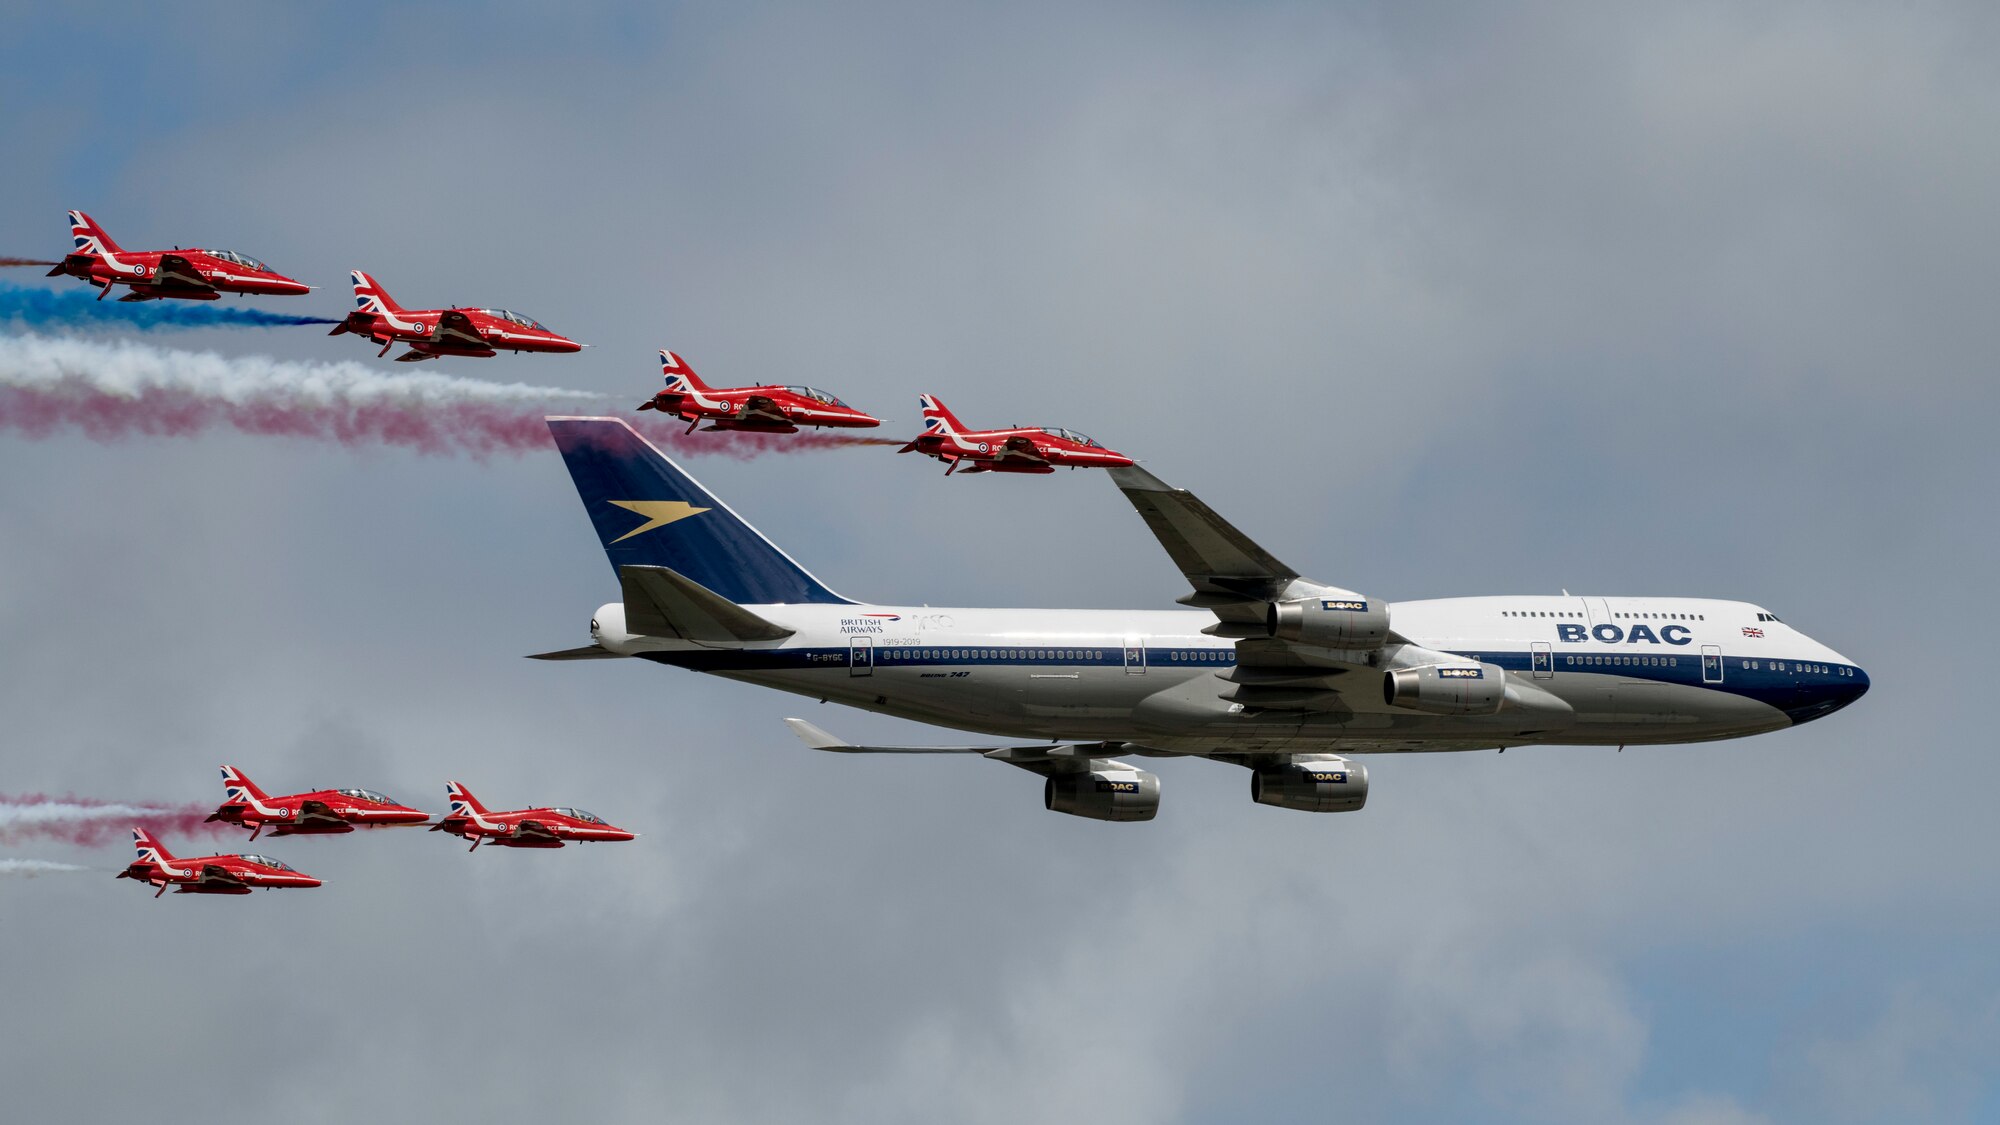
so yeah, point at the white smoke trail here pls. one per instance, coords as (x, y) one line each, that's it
(33, 868)
(86, 822)
(129, 369)
(112, 390)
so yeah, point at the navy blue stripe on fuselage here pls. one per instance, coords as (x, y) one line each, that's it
(1795, 687)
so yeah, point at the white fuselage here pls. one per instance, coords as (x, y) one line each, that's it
(1626, 671)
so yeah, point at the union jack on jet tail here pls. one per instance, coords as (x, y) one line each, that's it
(769, 408)
(522, 828)
(1020, 449)
(321, 811)
(431, 333)
(209, 874)
(189, 274)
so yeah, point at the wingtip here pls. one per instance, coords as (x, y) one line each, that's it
(814, 736)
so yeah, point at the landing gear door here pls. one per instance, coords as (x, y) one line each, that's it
(1711, 664)
(861, 656)
(1541, 661)
(1135, 656)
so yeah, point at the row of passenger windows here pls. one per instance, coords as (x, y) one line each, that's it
(1620, 616)
(914, 655)
(920, 655)
(1794, 666)
(1649, 661)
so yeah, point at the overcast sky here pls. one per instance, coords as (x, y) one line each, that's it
(1687, 299)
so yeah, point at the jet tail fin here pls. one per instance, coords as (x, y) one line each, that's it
(680, 377)
(369, 296)
(649, 513)
(238, 787)
(89, 238)
(463, 803)
(149, 849)
(662, 603)
(938, 419)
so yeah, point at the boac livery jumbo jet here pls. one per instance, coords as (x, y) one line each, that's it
(318, 812)
(1019, 449)
(1269, 670)
(190, 274)
(431, 333)
(765, 409)
(209, 874)
(522, 828)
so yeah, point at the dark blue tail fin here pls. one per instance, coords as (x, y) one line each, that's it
(649, 513)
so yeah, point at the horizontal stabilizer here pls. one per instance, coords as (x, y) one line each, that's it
(664, 603)
(587, 652)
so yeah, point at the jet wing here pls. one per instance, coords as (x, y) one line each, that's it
(218, 874)
(1023, 448)
(1236, 579)
(1043, 758)
(318, 812)
(454, 327)
(535, 830)
(763, 406)
(177, 273)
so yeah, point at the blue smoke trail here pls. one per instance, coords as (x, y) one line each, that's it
(36, 308)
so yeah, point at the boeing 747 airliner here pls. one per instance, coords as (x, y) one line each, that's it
(1268, 670)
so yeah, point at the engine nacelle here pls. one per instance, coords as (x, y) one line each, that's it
(1104, 794)
(1447, 689)
(1329, 621)
(1311, 785)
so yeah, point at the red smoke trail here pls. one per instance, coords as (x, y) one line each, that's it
(87, 822)
(477, 429)
(26, 262)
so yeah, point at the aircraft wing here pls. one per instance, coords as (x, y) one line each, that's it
(455, 327)
(318, 812)
(1043, 758)
(535, 830)
(1236, 579)
(1022, 447)
(177, 273)
(216, 873)
(763, 406)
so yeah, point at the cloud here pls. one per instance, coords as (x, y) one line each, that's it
(1429, 302)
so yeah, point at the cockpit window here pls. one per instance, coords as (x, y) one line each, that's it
(266, 861)
(365, 795)
(1761, 616)
(816, 394)
(1071, 435)
(239, 259)
(581, 815)
(517, 318)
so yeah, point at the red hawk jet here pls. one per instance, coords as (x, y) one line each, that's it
(431, 333)
(190, 274)
(209, 874)
(522, 828)
(1022, 449)
(768, 409)
(320, 811)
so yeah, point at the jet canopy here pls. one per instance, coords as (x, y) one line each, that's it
(818, 395)
(266, 861)
(579, 814)
(517, 318)
(365, 795)
(239, 259)
(1071, 435)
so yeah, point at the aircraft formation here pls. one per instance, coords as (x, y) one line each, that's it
(338, 811)
(1264, 668)
(204, 275)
